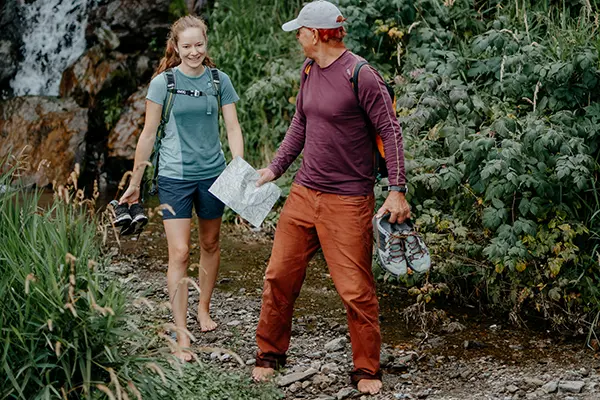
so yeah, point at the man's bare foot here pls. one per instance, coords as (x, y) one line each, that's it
(206, 322)
(262, 374)
(370, 386)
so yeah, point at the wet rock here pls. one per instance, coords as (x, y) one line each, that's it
(321, 381)
(473, 344)
(8, 60)
(135, 23)
(92, 73)
(123, 138)
(294, 387)
(330, 368)
(52, 132)
(295, 377)
(317, 354)
(346, 392)
(336, 344)
(532, 383)
(571, 386)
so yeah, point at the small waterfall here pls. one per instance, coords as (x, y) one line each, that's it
(53, 38)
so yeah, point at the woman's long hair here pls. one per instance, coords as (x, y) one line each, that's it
(171, 58)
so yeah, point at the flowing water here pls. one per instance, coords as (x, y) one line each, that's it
(53, 39)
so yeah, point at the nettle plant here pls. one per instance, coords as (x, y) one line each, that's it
(500, 120)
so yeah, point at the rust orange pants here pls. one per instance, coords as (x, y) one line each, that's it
(342, 227)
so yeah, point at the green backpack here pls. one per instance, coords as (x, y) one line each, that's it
(166, 112)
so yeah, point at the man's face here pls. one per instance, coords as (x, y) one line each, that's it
(307, 39)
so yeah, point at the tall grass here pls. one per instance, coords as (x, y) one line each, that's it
(67, 328)
(63, 322)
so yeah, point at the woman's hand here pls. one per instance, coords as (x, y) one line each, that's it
(131, 195)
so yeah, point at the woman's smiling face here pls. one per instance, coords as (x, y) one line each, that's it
(191, 46)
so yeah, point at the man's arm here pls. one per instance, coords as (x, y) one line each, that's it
(292, 144)
(375, 100)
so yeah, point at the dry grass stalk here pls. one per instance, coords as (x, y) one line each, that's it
(124, 179)
(71, 308)
(142, 300)
(106, 391)
(115, 381)
(172, 327)
(154, 367)
(57, 348)
(134, 390)
(165, 207)
(30, 278)
(50, 326)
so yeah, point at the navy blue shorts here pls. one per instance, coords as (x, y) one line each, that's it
(183, 195)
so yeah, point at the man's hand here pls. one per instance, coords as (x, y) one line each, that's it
(397, 206)
(266, 175)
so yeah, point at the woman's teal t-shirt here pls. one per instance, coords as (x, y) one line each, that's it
(191, 148)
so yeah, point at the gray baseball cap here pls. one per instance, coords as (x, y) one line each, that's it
(319, 14)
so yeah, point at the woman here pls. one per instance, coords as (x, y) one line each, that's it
(190, 160)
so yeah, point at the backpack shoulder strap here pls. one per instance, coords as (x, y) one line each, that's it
(306, 69)
(354, 78)
(216, 82)
(169, 99)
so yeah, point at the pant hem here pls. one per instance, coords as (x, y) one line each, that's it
(270, 360)
(356, 376)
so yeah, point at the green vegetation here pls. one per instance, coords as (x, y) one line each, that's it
(500, 116)
(498, 101)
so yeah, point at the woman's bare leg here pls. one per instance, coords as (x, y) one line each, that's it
(178, 238)
(210, 258)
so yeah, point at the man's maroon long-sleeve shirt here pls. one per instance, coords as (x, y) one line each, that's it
(332, 128)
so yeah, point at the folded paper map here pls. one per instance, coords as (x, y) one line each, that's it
(236, 187)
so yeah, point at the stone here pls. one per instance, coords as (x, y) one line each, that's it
(532, 383)
(122, 139)
(511, 388)
(336, 344)
(225, 357)
(330, 368)
(49, 131)
(571, 386)
(344, 393)
(92, 73)
(295, 377)
(135, 23)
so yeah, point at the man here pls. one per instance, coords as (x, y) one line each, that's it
(331, 201)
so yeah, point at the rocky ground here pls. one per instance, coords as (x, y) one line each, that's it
(463, 356)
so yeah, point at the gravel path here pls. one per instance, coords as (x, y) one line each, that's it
(463, 356)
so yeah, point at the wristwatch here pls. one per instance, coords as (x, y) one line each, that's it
(401, 189)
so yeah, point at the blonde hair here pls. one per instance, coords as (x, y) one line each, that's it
(171, 58)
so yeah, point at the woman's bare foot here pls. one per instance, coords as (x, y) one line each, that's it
(183, 352)
(262, 374)
(184, 355)
(206, 322)
(370, 386)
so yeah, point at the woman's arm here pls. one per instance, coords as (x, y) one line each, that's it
(234, 132)
(143, 151)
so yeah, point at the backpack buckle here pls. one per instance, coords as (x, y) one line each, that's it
(197, 93)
